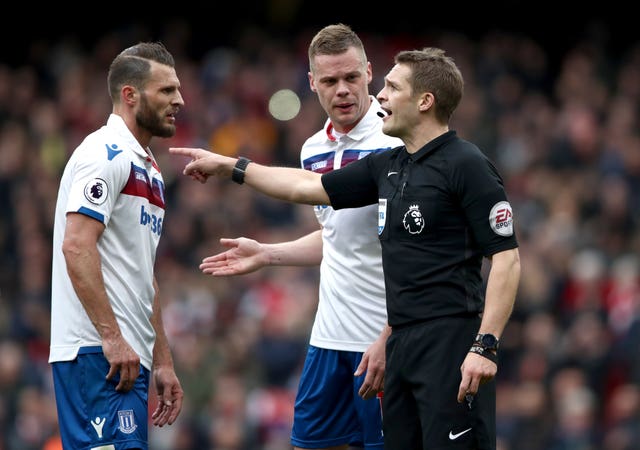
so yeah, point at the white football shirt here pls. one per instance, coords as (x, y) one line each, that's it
(352, 306)
(110, 178)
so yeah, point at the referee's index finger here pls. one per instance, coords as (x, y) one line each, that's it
(187, 151)
(465, 388)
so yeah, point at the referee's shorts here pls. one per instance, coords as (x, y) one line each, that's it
(422, 378)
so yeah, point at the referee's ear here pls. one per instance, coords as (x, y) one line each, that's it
(427, 100)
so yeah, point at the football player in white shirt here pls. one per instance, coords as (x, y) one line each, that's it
(335, 409)
(107, 336)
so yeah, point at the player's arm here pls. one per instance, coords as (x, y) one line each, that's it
(80, 249)
(170, 392)
(244, 255)
(290, 184)
(502, 286)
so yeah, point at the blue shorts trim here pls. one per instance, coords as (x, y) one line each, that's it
(328, 410)
(91, 413)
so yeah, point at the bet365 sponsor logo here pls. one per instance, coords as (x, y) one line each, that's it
(151, 220)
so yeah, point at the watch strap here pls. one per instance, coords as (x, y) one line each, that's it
(238, 170)
(479, 350)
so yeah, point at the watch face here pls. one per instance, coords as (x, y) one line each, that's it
(489, 341)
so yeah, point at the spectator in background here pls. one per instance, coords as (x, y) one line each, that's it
(333, 408)
(107, 337)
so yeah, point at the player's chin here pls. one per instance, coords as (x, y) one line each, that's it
(167, 131)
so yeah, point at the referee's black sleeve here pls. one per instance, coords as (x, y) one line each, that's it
(352, 186)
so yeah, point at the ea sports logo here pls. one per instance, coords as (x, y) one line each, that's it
(501, 219)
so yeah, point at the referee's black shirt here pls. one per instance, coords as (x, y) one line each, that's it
(440, 211)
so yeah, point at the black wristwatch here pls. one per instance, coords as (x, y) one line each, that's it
(487, 341)
(238, 170)
(486, 345)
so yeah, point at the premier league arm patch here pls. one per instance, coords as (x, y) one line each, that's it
(96, 191)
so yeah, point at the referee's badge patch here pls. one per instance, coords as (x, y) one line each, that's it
(501, 219)
(382, 214)
(96, 191)
(413, 220)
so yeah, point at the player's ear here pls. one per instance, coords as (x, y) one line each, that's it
(312, 84)
(129, 94)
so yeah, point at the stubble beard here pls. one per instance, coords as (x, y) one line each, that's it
(151, 121)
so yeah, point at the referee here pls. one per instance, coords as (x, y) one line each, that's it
(442, 209)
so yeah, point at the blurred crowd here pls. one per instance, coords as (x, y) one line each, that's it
(563, 131)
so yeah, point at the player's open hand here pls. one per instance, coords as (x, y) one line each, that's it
(243, 256)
